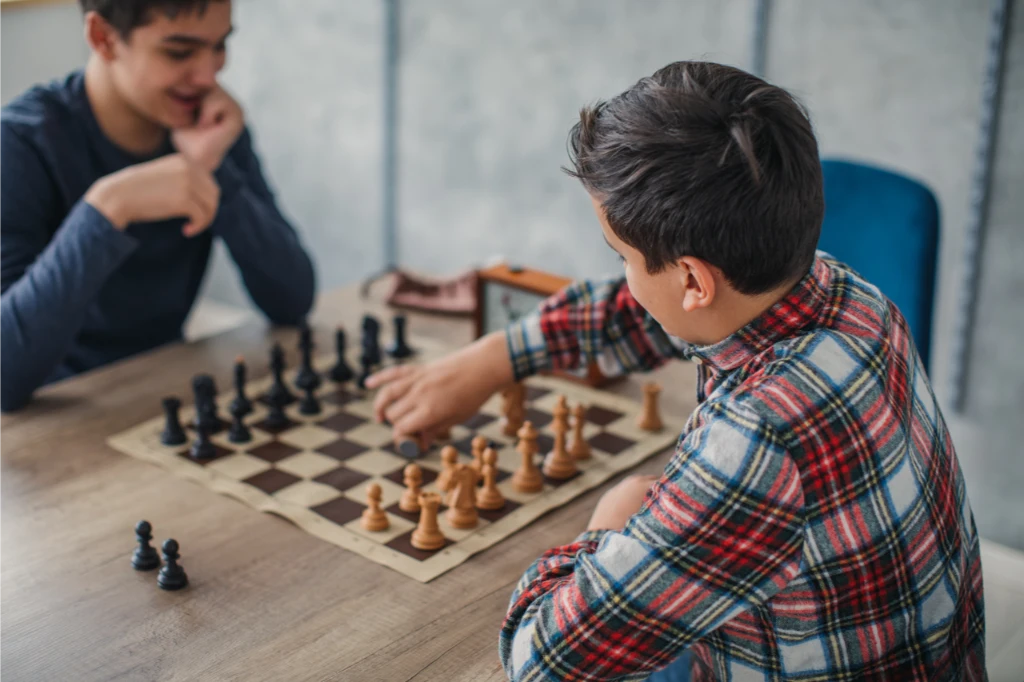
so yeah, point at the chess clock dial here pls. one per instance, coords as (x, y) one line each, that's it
(507, 293)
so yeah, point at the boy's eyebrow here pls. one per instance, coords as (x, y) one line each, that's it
(609, 244)
(193, 40)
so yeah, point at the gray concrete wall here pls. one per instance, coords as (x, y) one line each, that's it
(995, 469)
(38, 43)
(489, 91)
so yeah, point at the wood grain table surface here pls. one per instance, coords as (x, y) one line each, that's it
(266, 601)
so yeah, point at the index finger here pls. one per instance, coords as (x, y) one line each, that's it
(386, 376)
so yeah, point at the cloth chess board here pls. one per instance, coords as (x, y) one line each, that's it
(315, 471)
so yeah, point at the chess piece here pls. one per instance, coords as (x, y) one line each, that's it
(374, 518)
(276, 418)
(306, 379)
(477, 447)
(399, 349)
(172, 434)
(513, 409)
(202, 446)
(341, 372)
(241, 403)
(145, 557)
(309, 404)
(449, 460)
(412, 477)
(366, 362)
(462, 507)
(427, 536)
(559, 464)
(172, 576)
(578, 447)
(278, 392)
(527, 478)
(490, 498)
(649, 419)
(371, 340)
(239, 432)
(205, 392)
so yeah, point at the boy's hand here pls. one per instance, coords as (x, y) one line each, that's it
(620, 503)
(218, 126)
(420, 400)
(168, 187)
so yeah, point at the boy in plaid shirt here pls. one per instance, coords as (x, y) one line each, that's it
(813, 522)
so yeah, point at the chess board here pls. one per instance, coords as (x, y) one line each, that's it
(315, 471)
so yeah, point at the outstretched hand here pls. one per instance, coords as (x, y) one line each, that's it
(420, 401)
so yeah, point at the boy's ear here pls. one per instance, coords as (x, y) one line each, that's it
(698, 283)
(100, 36)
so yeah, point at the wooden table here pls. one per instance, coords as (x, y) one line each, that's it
(267, 601)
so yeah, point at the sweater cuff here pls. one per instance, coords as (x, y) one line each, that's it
(527, 346)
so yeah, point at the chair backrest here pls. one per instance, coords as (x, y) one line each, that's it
(886, 227)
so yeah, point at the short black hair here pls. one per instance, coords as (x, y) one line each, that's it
(127, 15)
(706, 160)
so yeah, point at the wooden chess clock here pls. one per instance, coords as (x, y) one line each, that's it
(507, 292)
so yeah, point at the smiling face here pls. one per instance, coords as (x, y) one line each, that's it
(164, 68)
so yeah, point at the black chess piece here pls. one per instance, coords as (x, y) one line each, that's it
(409, 449)
(276, 418)
(309, 403)
(172, 575)
(371, 340)
(239, 432)
(145, 557)
(367, 369)
(172, 434)
(399, 349)
(341, 372)
(278, 393)
(205, 391)
(202, 446)
(306, 378)
(241, 402)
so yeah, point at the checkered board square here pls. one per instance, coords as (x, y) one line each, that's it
(315, 471)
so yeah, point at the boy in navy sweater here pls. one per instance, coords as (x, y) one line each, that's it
(115, 182)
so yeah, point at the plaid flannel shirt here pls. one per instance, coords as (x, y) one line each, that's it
(812, 524)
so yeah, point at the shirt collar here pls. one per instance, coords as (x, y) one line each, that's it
(793, 312)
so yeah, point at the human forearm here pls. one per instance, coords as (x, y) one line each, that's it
(274, 266)
(590, 321)
(43, 310)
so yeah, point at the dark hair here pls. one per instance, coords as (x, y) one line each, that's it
(705, 160)
(127, 15)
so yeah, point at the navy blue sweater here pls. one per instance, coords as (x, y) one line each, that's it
(76, 292)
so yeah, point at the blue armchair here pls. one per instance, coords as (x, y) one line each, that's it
(886, 227)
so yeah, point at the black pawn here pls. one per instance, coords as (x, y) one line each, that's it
(145, 557)
(276, 418)
(239, 432)
(241, 403)
(172, 434)
(202, 446)
(341, 372)
(399, 349)
(172, 576)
